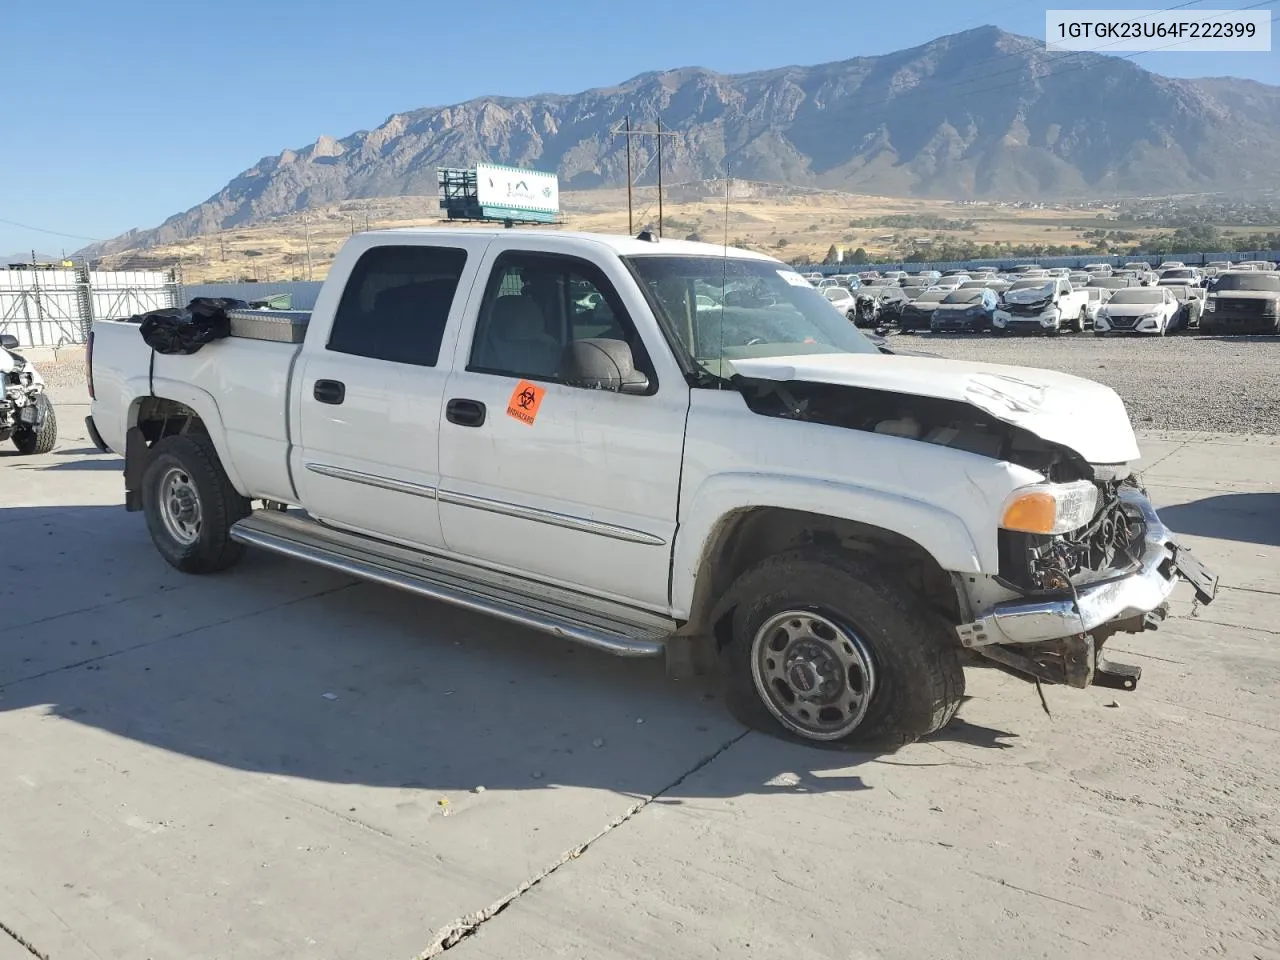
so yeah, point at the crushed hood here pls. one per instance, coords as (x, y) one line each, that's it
(1079, 414)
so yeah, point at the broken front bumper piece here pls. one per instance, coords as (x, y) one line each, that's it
(1060, 640)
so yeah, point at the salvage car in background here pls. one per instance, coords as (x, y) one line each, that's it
(964, 310)
(1190, 307)
(841, 298)
(917, 314)
(1138, 310)
(1243, 301)
(1046, 305)
(878, 305)
(27, 416)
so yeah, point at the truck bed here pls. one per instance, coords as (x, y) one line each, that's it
(244, 378)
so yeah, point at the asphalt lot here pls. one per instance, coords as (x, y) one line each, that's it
(278, 762)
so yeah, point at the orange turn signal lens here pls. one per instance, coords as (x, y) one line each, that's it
(1035, 512)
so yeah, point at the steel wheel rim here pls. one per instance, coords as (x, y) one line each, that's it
(815, 675)
(180, 508)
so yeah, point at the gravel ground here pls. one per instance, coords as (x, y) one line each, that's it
(1214, 384)
(1219, 384)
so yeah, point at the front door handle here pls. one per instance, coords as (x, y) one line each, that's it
(329, 391)
(465, 413)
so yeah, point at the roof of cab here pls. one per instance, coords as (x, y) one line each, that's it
(623, 245)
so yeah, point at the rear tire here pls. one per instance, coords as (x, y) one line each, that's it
(191, 505)
(826, 650)
(40, 439)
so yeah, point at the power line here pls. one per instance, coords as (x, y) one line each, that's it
(56, 233)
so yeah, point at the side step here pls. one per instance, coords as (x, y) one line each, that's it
(611, 627)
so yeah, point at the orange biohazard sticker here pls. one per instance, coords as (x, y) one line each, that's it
(524, 402)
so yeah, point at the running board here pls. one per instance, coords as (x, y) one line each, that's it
(611, 627)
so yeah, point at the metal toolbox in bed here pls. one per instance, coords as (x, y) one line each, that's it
(281, 326)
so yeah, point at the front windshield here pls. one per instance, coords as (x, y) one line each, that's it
(1178, 274)
(836, 293)
(932, 296)
(1137, 295)
(1032, 285)
(964, 296)
(762, 309)
(1248, 281)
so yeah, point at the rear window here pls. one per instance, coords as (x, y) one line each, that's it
(396, 304)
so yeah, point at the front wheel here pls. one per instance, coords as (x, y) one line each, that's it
(827, 650)
(41, 439)
(190, 505)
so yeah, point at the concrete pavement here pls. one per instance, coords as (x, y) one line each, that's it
(279, 762)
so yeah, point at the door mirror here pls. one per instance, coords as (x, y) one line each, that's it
(601, 364)
(8, 341)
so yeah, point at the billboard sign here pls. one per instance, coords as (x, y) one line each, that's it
(515, 191)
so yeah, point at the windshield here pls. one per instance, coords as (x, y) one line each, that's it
(932, 296)
(763, 310)
(1178, 274)
(1248, 281)
(836, 293)
(1047, 288)
(964, 296)
(1137, 295)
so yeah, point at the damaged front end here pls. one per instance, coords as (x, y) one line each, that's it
(1057, 597)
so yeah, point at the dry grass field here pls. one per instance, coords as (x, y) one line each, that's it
(785, 225)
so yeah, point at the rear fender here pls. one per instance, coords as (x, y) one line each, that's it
(137, 449)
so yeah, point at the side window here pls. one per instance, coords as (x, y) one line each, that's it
(396, 304)
(535, 304)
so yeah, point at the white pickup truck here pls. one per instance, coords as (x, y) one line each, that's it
(1041, 305)
(657, 447)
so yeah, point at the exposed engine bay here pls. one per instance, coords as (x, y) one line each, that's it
(1109, 545)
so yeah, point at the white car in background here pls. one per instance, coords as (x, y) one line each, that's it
(1138, 310)
(841, 298)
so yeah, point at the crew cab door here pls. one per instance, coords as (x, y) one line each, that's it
(561, 483)
(368, 397)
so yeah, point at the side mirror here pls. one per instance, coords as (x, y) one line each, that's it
(601, 364)
(8, 341)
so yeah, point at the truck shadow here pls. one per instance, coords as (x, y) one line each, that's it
(281, 668)
(1243, 517)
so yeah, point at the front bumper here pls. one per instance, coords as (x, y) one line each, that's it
(1132, 596)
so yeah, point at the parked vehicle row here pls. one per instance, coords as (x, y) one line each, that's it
(1029, 299)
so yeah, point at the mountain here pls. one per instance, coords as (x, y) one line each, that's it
(982, 113)
(25, 257)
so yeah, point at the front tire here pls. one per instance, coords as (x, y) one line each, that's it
(41, 439)
(826, 650)
(190, 505)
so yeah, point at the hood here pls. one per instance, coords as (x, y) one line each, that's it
(960, 307)
(1079, 414)
(1028, 296)
(1133, 309)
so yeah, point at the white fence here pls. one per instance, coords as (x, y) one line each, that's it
(50, 308)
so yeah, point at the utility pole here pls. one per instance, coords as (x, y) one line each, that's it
(628, 131)
(306, 230)
(630, 225)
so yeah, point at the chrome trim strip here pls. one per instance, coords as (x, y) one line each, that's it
(552, 518)
(373, 480)
(534, 619)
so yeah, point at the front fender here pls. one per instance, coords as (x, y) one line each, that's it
(939, 532)
(205, 406)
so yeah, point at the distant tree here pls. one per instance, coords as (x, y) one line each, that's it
(833, 255)
(782, 243)
(859, 256)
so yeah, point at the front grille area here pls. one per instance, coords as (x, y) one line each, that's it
(1122, 323)
(1110, 545)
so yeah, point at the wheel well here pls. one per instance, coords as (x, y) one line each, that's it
(746, 537)
(159, 417)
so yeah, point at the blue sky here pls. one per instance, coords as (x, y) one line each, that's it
(120, 114)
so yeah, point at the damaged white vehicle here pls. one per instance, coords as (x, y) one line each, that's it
(759, 483)
(27, 416)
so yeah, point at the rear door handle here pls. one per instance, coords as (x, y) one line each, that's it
(465, 413)
(329, 391)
